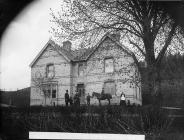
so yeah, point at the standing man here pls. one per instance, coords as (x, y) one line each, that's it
(77, 99)
(67, 98)
(102, 91)
(88, 99)
(71, 101)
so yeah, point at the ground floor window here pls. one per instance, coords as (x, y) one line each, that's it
(50, 90)
(53, 91)
(109, 88)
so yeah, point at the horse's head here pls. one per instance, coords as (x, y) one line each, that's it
(93, 95)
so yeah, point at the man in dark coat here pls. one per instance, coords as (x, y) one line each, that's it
(102, 93)
(77, 99)
(88, 99)
(67, 98)
(71, 101)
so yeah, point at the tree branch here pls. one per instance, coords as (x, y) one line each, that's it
(137, 46)
(167, 43)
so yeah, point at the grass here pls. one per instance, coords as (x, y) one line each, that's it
(151, 121)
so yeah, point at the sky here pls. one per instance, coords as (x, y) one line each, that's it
(25, 36)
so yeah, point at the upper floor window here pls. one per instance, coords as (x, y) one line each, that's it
(109, 65)
(81, 69)
(50, 70)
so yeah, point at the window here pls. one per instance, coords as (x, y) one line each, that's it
(109, 65)
(46, 90)
(50, 71)
(54, 91)
(50, 90)
(81, 69)
(109, 88)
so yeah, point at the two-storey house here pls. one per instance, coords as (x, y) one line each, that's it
(108, 65)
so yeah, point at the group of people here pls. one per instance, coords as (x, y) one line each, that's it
(72, 100)
(75, 100)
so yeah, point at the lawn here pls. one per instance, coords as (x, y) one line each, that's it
(150, 121)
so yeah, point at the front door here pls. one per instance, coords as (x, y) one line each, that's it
(80, 89)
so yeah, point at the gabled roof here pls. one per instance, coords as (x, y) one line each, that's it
(56, 47)
(80, 54)
(68, 54)
(85, 53)
(125, 49)
(103, 38)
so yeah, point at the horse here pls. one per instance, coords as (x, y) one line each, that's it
(102, 97)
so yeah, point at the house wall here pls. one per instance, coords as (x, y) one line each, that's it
(67, 75)
(95, 76)
(62, 77)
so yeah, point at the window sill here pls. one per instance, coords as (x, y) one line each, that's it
(109, 72)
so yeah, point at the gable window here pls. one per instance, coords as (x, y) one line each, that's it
(109, 65)
(50, 70)
(81, 69)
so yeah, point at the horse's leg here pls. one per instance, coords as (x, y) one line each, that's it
(109, 101)
(99, 102)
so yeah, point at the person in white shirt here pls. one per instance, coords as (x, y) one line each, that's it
(122, 99)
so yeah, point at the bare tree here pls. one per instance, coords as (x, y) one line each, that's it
(148, 29)
(39, 83)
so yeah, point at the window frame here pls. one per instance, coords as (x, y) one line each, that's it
(53, 87)
(47, 70)
(80, 65)
(49, 88)
(110, 81)
(106, 58)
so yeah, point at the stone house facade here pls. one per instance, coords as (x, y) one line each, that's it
(107, 65)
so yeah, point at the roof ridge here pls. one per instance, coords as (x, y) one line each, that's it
(119, 43)
(76, 55)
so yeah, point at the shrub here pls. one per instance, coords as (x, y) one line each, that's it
(151, 121)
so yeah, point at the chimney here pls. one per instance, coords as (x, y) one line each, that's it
(67, 45)
(116, 36)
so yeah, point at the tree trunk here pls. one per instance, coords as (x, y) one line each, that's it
(45, 100)
(150, 70)
(158, 92)
(153, 84)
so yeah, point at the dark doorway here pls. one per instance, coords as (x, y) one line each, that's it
(81, 91)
